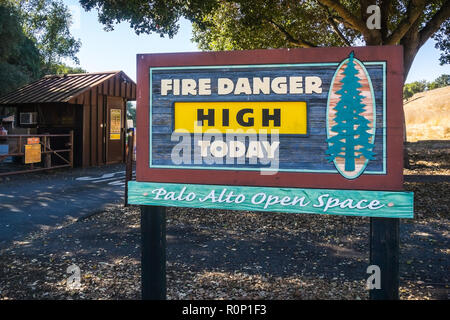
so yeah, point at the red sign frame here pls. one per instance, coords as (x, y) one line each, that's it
(392, 180)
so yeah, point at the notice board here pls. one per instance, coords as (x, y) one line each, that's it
(321, 118)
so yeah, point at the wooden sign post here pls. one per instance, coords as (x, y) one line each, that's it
(315, 131)
(384, 242)
(153, 262)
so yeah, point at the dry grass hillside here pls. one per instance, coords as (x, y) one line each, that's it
(428, 115)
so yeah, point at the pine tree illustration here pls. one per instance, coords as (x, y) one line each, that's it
(352, 139)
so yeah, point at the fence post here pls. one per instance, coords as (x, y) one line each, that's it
(129, 164)
(71, 149)
(20, 146)
(48, 156)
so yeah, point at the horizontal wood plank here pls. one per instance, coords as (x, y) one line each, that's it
(288, 200)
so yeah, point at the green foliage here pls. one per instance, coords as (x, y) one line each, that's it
(19, 57)
(409, 89)
(147, 16)
(34, 37)
(412, 88)
(441, 81)
(259, 24)
(443, 42)
(131, 111)
(47, 22)
(407, 92)
(63, 69)
(418, 86)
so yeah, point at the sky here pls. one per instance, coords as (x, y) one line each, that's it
(116, 50)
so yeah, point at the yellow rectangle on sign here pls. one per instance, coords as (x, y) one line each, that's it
(32, 153)
(289, 117)
(114, 136)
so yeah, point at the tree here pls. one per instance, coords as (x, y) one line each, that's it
(131, 112)
(34, 37)
(351, 126)
(443, 42)
(19, 57)
(259, 24)
(410, 89)
(252, 24)
(442, 81)
(47, 23)
(62, 68)
(407, 92)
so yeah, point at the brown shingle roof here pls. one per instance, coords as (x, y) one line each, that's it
(58, 88)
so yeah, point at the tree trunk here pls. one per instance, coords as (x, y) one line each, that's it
(410, 47)
(410, 44)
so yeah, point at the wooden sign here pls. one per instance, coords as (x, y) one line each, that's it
(32, 153)
(33, 140)
(322, 118)
(291, 130)
(115, 124)
(290, 200)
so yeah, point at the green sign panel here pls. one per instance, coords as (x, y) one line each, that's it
(291, 200)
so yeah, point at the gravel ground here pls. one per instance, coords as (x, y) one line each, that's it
(218, 254)
(429, 158)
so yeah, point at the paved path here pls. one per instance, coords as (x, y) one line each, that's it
(33, 202)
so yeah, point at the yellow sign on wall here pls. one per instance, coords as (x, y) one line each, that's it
(32, 153)
(115, 124)
(289, 117)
